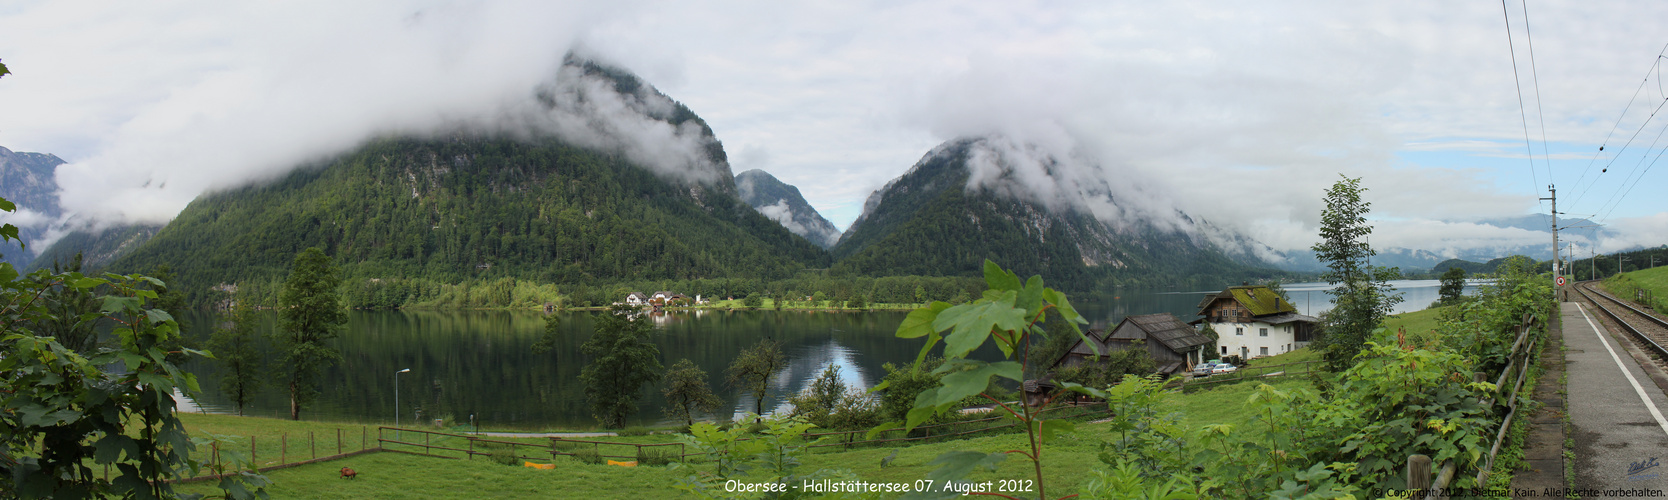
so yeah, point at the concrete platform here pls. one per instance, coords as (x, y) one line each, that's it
(1616, 413)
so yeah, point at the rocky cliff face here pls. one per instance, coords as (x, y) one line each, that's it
(26, 179)
(782, 203)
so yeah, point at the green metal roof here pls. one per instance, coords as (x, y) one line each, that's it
(1261, 300)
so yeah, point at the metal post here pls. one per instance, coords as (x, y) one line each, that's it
(397, 401)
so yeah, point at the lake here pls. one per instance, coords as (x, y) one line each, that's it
(481, 362)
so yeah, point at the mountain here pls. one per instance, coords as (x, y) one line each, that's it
(933, 221)
(606, 179)
(26, 179)
(782, 203)
(1417, 260)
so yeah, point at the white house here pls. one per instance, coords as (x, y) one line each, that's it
(636, 299)
(1253, 321)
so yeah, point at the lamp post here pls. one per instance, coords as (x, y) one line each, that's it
(397, 397)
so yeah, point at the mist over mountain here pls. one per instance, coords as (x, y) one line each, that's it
(602, 179)
(782, 203)
(26, 179)
(1528, 235)
(988, 197)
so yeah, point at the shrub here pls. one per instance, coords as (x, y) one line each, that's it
(505, 456)
(589, 456)
(656, 455)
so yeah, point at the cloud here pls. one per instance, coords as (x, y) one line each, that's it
(783, 214)
(1240, 114)
(154, 104)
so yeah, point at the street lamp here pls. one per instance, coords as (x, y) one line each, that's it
(397, 397)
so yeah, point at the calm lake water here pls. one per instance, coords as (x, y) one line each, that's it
(481, 362)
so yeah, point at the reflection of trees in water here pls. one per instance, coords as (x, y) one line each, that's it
(481, 362)
(805, 364)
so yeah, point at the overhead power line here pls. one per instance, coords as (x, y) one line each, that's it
(1518, 86)
(1540, 110)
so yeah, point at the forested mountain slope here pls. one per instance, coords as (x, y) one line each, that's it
(487, 204)
(930, 222)
(782, 203)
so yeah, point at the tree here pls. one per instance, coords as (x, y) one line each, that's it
(233, 345)
(819, 400)
(687, 392)
(1362, 297)
(752, 301)
(624, 358)
(68, 309)
(1453, 285)
(1279, 290)
(752, 369)
(311, 315)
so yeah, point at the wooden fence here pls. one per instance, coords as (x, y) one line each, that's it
(280, 456)
(465, 446)
(1517, 369)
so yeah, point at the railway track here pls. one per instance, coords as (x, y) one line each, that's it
(1648, 332)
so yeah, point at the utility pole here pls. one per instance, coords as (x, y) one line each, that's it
(1555, 261)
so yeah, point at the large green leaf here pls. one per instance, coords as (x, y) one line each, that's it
(1052, 427)
(970, 382)
(970, 324)
(1030, 298)
(998, 279)
(919, 322)
(954, 466)
(1063, 306)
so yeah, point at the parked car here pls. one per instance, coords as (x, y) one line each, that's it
(1222, 368)
(1204, 369)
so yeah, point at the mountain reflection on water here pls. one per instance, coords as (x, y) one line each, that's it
(481, 362)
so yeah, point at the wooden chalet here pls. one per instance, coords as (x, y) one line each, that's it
(1174, 346)
(1253, 321)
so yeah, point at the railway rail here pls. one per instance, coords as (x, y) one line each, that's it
(1648, 331)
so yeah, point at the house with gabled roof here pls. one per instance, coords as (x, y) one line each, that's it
(1254, 321)
(1173, 345)
(636, 299)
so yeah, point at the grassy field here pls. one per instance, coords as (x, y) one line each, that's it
(1416, 322)
(1654, 279)
(1068, 460)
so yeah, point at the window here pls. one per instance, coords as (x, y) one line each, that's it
(1263, 351)
(1224, 350)
(1239, 330)
(1262, 332)
(1288, 328)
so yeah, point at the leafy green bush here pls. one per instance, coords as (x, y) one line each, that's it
(505, 455)
(656, 455)
(588, 455)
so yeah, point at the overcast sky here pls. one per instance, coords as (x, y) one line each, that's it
(1238, 112)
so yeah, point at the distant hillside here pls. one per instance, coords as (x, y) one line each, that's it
(930, 222)
(26, 179)
(487, 204)
(782, 203)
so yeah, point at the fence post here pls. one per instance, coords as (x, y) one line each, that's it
(283, 447)
(312, 446)
(252, 452)
(362, 433)
(338, 440)
(1418, 472)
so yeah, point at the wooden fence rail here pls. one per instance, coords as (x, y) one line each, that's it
(558, 446)
(1517, 363)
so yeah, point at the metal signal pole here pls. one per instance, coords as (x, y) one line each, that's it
(1556, 262)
